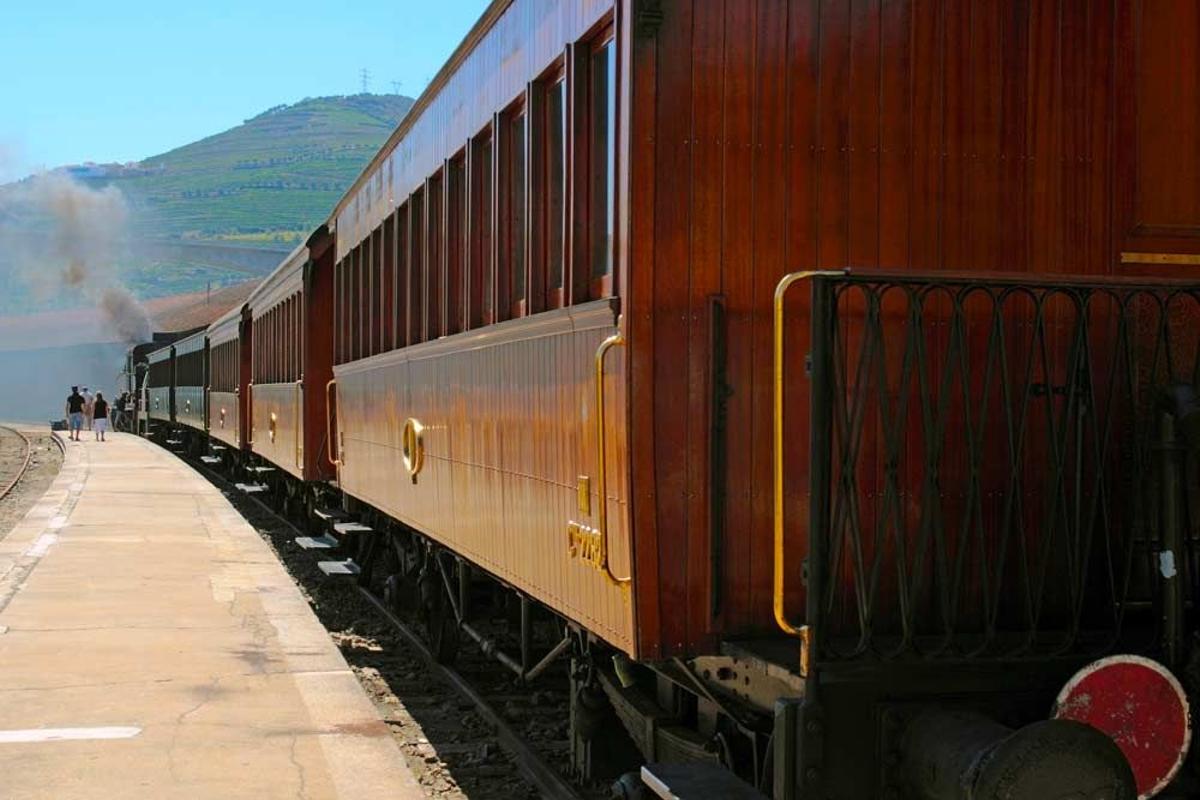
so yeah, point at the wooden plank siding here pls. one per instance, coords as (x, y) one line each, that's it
(768, 136)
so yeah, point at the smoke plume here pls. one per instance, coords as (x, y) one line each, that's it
(65, 237)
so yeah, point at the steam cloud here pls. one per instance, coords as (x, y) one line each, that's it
(85, 228)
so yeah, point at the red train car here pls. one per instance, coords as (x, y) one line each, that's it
(559, 351)
(829, 370)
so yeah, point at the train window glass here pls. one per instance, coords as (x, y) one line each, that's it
(455, 246)
(388, 286)
(337, 313)
(360, 307)
(554, 192)
(434, 299)
(416, 273)
(377, 296)
(511, 280)
(351, 304)
(401, 290)
(602, 108)
(480, 279)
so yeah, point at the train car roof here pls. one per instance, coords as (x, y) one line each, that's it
(192, 342)
(285, 280)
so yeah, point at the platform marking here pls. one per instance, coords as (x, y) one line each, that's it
(42, 545)
(32, 735)
(57, 522)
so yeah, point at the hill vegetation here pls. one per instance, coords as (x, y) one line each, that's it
(267, 181)
(201, 214)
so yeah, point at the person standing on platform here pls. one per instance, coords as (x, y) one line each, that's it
(75, 404)
(99, 416)
(88, 400)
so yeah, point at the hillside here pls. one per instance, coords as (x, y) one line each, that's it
(266, 181)
(203, 214)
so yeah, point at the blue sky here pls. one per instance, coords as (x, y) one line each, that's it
(122, 80)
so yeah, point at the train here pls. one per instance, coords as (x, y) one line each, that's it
(819, 378)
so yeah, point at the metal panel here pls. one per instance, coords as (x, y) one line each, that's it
(508, 417)
(189, 406)
(276, 424)
(223, 417)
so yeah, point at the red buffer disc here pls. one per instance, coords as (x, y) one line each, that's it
(1140, 704)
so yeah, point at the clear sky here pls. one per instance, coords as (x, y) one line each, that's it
(82, 80)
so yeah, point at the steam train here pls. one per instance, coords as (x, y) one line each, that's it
(824, 372)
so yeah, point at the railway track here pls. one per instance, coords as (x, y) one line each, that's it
(12, 477)
(479, 735)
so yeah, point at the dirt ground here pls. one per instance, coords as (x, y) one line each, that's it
(44, 464)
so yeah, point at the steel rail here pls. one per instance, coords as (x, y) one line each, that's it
(24, 465)
(548, 782)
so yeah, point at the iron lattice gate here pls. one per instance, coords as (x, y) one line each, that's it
(987, 475)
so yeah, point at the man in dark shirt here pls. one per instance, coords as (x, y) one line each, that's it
(75, 404)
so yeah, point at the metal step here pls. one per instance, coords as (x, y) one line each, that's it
(174, 442)
(252, 488)
(218, 448)
(694, 781)
(316, 542)
(342, 528)
(261, 470)
(211, 459)
(329, 514)
(339, 569)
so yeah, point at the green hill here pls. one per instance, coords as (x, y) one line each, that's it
(201, 215)
(267, 181)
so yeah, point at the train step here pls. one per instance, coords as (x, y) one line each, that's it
(252, 488)
(261, 470)
(339, 569)
(217, 448)
(316, 542)
(330, 514)
(696, 780)
(342, 528)
(174, 442)
(211, 459)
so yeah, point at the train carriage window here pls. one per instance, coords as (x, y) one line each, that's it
(377, 291)
(337, 313)
(480, 283)
(402, 271)
(511, 279)
(456, 319)
(602, 157)
(554, 189)
(416, 268)
(387, 293)
(434, 267)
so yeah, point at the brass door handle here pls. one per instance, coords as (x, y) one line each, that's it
(337, 462)
(601, 557)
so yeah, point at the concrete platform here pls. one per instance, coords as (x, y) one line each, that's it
(152, 646)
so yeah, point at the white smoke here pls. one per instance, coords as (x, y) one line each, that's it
(64, 237)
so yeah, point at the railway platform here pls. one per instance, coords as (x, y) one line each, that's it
(152, 646)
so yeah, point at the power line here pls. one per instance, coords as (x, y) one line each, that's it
(396, 86)
(365, 76)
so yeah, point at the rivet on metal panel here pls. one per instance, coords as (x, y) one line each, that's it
(584, 490)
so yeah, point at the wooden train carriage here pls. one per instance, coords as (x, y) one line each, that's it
(160, 383)
(276, 391)
(228, 377)
(191, 378)
(291, 352)
(472, 293)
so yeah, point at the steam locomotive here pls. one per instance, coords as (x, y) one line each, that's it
(824, 372)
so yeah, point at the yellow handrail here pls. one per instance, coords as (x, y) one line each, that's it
(337, 462)
(601, 461)
(299, 422)
(801, 631)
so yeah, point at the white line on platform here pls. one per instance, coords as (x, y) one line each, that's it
(42, 545)
(66, 734)
(58, 522)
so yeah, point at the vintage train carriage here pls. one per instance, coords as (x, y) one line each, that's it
(465, 331)
(191, 380)
(558, 344)
(160, 385)
(290, 355)
(228, 377)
